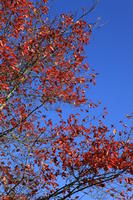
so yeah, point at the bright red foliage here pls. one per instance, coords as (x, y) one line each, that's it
(42, 63)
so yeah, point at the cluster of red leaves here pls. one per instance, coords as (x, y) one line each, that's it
(43, 63)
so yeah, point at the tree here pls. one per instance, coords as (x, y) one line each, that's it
(42, 63)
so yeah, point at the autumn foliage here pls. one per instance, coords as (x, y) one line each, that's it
(43, 68)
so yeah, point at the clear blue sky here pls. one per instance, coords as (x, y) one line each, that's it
(110, 52)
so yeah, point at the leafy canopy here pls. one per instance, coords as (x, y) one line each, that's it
(42, 63)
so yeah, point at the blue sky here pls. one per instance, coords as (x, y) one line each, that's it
(110, 52)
